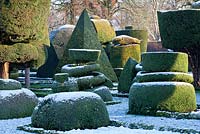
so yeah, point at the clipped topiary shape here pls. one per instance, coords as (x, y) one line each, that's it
(24, 24)
(72, 110)
(164, 76)
(125, 40)
(165, 62)
(61, 77)
(75, 70)
(127, 75)
(149, 97)
(84, 37)
(104, 93)
(105, 31)
(139, 34)
(120, 54)
(17, 103)
(84, 55)
(9, 84)
(70, 85)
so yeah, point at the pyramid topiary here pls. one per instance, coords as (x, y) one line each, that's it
(84, 37)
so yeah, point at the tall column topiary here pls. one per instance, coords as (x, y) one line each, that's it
(23, 33)
(180, 31)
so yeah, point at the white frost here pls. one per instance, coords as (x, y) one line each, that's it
(163, 83)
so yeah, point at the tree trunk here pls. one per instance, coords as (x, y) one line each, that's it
(27, 76)
(194, 60)
(4, 70)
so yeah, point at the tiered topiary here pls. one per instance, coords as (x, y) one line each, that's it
(15, 101)
(84, 37)
(23, 32)
(83, 75)
(140, 34)
(71, 110)
(162, 85)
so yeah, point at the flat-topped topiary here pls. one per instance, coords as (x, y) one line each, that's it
(9, 84)
(164, 76)
(61, 77)
(17, 103)
(149, 97)
(165, 62)
(104, 93)
(72, 110)
(84, 55)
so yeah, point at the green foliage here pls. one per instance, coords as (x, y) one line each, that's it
(105, 31)
(164, 76)
(9, 84)
(139, 34)
(165, 62)
(24, 22)
(148, 97)
(19, 104)
(119, 55)
(61, 77)
(104, 93)
(179, 28)
(127, 75)
(85, 37)
(55, 113)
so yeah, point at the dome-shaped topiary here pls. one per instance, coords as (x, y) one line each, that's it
(72, 110)
(149, 97)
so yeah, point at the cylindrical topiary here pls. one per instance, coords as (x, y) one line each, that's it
(61, 77)
(17, 103)
(73, 110)
(165, 62)
(140, 34)
(149, 97)
(164, 76)
(9, 84)
(104, 93)
(180, 31)
(120, 54)
(105, 31)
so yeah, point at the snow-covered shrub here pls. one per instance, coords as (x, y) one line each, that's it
(72, 110)
(164, 76)
(9, 84)
(165, 62)
(61, 77)
(17, 103)
(148, 97)
(104, 93)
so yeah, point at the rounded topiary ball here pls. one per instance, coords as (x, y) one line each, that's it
(104, 93)
(9, 84)
(149, 97)
(72, 110)
(17, 103)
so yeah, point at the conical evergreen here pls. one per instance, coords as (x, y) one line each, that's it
(84, 36)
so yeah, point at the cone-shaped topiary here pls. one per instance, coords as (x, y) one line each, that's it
(180, 31)
(84, 37)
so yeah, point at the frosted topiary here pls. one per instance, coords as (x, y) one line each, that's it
(9, 84)
(72, 110)
(148, 97)
(104, 93)
(61, 77)
(17, 103)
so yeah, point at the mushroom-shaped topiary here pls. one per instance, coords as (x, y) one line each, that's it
(72, 110)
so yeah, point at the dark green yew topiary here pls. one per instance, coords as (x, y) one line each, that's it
(23, 22)
(72, 110)
(9, 84)
(104, 93)
(119, 55)
(61, 77)
(165, 62)
(84, 37)
(140, 34)
(149, 97)
(127, 75)
(164, 76)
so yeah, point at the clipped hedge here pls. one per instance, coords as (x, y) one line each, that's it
(84, 55)
(149, 97)
(17, 103)
(164, 76)
(120, 54)
(75, 70)
(104, 93)
(9, 84)
(165, 62)
(61, 77)
(178, 28)
(100, 25)
(139, 34)
(127, 75)
(72, 110)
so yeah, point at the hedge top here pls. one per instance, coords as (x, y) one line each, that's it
(179, 28)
